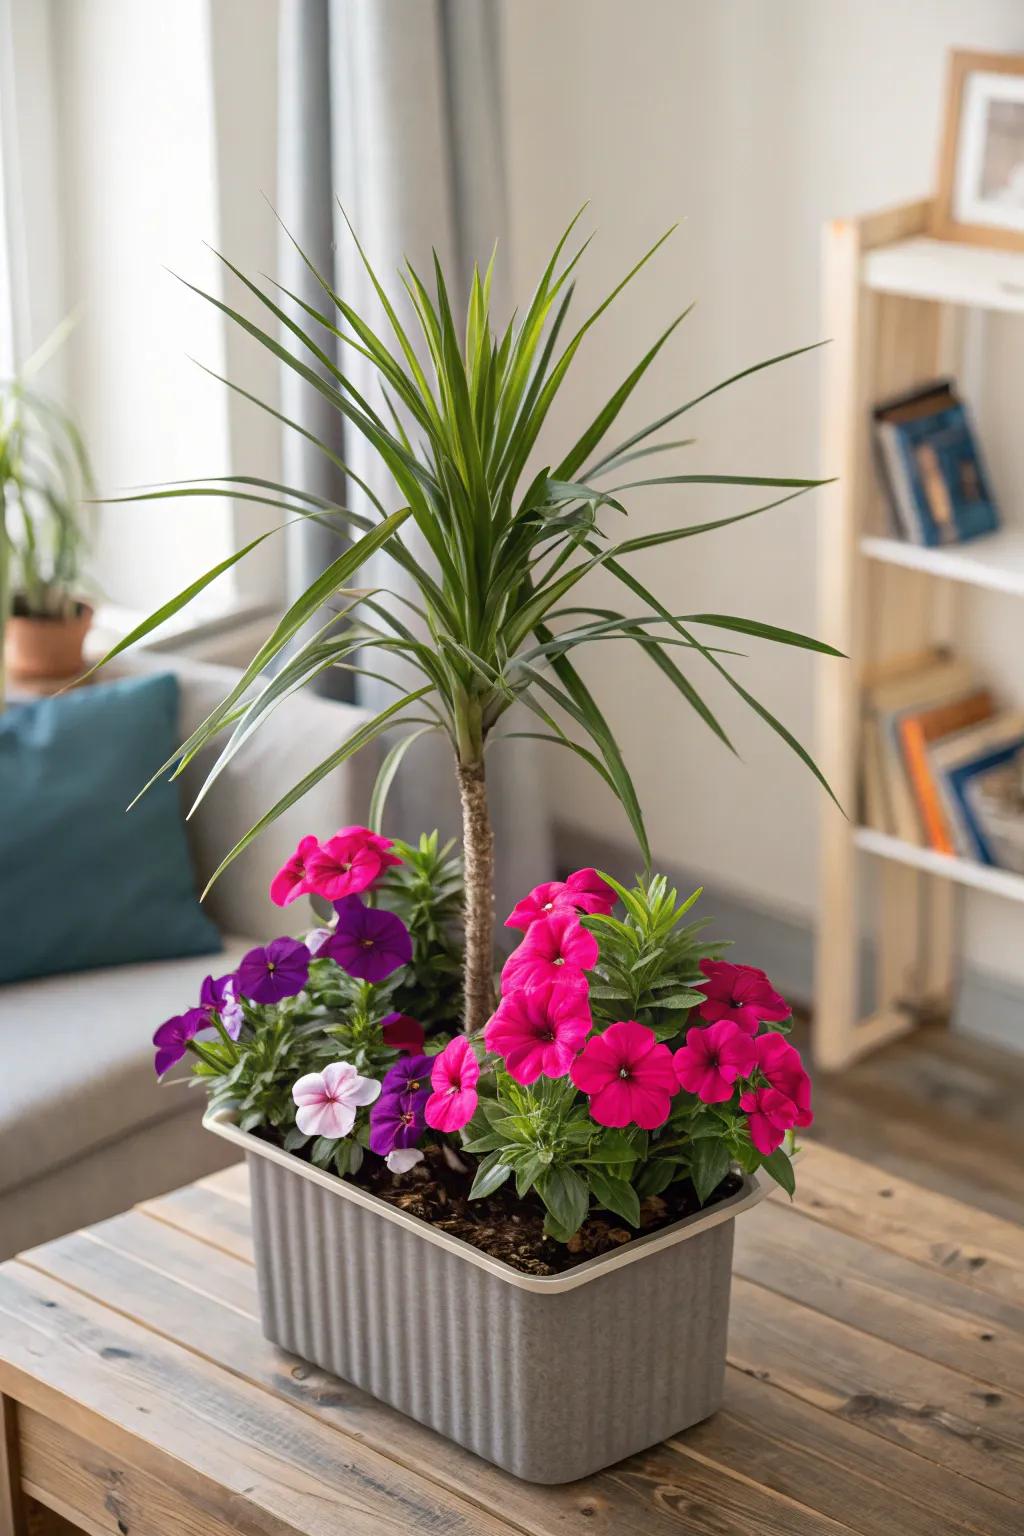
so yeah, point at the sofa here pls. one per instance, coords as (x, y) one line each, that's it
(85, 1128)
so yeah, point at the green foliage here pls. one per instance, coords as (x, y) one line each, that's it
(542, 1134)
(44, 476)
(425, 890)
(336, 1018)
(649, 966)
(496, 618)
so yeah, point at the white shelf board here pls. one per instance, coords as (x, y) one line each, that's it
(995, 560)
(951, 274)
(982, 877)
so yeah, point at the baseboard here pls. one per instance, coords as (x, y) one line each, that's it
(988, 1007)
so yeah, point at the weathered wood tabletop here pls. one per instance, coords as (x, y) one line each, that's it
(875, 1385)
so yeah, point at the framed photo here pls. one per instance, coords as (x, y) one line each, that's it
(980, 195)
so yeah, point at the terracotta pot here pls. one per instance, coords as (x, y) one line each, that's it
(39, 649)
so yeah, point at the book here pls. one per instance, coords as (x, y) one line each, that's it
(995, 799)
(938, 682)
(963, 765)
(938, 488)
(917, 728)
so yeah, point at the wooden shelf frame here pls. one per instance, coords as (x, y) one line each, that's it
(895, 303)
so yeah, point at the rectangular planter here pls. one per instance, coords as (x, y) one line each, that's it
(551, 1377)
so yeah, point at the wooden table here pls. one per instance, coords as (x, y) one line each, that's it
(874, 1386)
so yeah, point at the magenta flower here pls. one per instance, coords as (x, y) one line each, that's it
(278, 971)
(556, 948)
(368, 942)
(583, 891)
(402, 1033)
(327, 1101)
(349, 862)
(628, 1075)
(538, 1032)
(172, 1037)
(781, 1065)
(454, 1077)
(292, 879)
(220, 997)
(741, 993)
(713, 1058)
(397, 1120)
(770, 1116)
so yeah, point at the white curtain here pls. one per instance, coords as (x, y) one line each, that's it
(395, 108)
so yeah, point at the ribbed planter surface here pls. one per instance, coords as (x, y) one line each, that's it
(551, 1377)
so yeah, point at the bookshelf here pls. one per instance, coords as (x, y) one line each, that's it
(898, 309)
(995, 562)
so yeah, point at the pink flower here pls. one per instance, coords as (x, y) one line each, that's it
(781, 1064)
(583, 891)
(327, 1101)
(402, 1033)
(771, 1115)
(538, 1032)
(713, 1058)
(741, 993)
(556, 948)
(349, 862)
(453, 1078)
(628, 1075)
(292, 879)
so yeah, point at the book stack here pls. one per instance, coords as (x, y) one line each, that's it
(943, 763)
(937, 487)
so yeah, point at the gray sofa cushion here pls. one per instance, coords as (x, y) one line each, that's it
(77, 1059)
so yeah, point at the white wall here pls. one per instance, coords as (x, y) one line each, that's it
(753, 123)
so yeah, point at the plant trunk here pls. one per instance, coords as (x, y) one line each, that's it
(478, 853)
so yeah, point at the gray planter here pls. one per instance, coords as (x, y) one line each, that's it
(551, 1377)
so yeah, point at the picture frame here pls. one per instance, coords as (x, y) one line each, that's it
(980, 193)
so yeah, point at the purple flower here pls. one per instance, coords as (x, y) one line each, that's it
(396, 1120)
(220, 997)
(409, 1077)
(268, 975)
(368, 943)
(172, 1038)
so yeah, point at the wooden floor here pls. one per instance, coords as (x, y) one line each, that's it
(936, 1108)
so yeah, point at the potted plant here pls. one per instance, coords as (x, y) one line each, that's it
(508, 1211)
(44, 476)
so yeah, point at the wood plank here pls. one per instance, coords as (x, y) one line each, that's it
(147, 1269)
(883, 1294)
(223, 1446)
(950, 1217)
(913, 1148)
(232, 1182)
(843, 1469)
(844, 1193)
(13, 1515)
(955, 1165)
(102, 1493)
(221, 1222)
(952, 1419)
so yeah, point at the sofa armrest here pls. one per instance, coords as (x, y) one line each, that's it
(300, 732)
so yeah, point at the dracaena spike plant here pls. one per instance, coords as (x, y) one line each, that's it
(501, 611)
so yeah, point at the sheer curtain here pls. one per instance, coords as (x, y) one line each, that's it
(395, 108)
